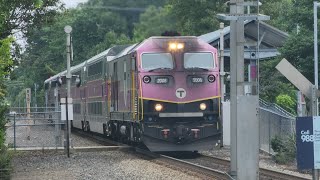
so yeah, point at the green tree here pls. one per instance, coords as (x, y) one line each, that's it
(130, 10)
(16, 16)
(298, 49)
(279, 11)
(153, 22)
(111, 38)
(272, 82)
(5, 62)
(196, 17)
(20, 15)
(287, 102)
(45, 55)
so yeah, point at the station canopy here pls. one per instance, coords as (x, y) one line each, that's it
(271, 39)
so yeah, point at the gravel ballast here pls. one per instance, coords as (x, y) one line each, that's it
(90, 165)
(41, 136)
(266, 161)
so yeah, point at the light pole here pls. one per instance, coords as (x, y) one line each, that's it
(315, 32)
(67, 30)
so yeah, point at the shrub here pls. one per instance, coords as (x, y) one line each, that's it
(285, 148)
(286, 102)
(5, 158)
(5, 165)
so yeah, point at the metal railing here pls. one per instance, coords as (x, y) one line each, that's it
(274, 107)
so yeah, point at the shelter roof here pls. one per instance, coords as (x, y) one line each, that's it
(271, 38)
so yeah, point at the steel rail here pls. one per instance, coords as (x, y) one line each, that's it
(264, 172)
(181, 165)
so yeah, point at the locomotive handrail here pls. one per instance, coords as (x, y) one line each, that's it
(132, 96)
(140, 88)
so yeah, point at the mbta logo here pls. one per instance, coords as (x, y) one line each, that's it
(181, 93)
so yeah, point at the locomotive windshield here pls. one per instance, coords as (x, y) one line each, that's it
(203, 60)
(154, 61)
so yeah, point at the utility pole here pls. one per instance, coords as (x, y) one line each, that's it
(244, 109)
(237, 76)
(315, 112)
(67, 30)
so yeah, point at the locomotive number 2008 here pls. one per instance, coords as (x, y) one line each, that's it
(162, 80)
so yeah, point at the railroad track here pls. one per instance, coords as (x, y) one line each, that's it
(221, 166)
(185, 166)
(264, 172)
(173, 163)
(279, 175)
(98, 138)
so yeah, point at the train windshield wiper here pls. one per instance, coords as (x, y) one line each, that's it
(198, 68)
(160, 68)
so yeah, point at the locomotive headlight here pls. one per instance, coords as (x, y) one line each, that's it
(203, 106)
(180, 46)
(158, 107)
(172, 46)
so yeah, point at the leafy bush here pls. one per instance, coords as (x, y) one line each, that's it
(5, 158)
(285, 148)
(5, 165)
(286, 102)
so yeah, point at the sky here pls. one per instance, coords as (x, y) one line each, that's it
(72, 3)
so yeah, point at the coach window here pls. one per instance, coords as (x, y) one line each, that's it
(155, 61)
(95, 69)
(203, 60)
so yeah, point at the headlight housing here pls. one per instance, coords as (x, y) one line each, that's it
(158, 107)
(211, 78)
(146, 79)
(203, 106)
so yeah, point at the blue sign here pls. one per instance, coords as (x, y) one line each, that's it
(308, 142)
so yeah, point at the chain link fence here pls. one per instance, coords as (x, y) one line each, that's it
(5, 174)
(42, 127)
(274, 121)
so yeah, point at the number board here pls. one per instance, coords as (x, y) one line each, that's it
(162, 80)
(197, 80)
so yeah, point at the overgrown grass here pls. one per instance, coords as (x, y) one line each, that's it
(285, 148)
